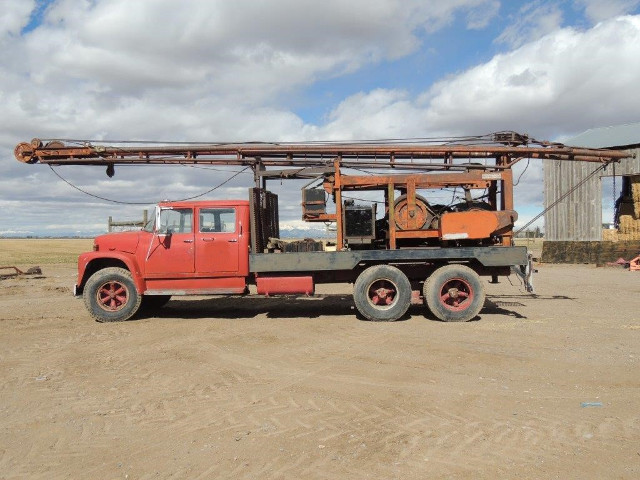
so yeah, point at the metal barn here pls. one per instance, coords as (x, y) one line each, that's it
(578, 217)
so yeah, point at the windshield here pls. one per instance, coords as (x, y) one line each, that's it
(149, 225)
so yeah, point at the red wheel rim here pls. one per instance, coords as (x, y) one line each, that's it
(382, 293)
(112, 296)
(456, 294)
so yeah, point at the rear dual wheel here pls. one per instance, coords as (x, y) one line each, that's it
(454, 293)
(382, 293)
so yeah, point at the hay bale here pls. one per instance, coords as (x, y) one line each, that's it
(625, 237)
(629, 220)
(635, 188)
(589, 252)
(625, 223)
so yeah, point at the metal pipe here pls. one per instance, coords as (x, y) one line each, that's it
(57, 153)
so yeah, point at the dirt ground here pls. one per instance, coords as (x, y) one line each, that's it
(536, 387)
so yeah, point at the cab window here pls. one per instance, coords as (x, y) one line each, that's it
(176, 220)
(217, 220)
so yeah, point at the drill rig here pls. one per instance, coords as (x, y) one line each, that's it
(417, 249)
(405, 172)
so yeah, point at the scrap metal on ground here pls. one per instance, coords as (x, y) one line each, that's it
(17, 272)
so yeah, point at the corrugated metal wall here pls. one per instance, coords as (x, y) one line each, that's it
(579, 216)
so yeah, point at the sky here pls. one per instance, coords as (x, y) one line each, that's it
(291, 70)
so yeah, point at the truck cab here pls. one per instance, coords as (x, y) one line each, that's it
(188, 248)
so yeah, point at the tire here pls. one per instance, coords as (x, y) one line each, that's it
(111, 296)
(382, 293)
(465, 207)
(151, 303)
(454, 293)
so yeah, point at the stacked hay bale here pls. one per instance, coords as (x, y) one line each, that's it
(609, 235)
(635, 194)
(629, 212)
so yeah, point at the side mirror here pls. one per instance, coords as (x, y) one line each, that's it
(158, 228)
(156, 224)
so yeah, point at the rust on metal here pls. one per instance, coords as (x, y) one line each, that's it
(17, 272)
(309, 154)
(402, 170)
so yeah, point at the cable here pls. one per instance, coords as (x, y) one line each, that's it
(200, 167)
(489, 138)
(142, 203)
(94, 195)
(521, 174)
(214, 188)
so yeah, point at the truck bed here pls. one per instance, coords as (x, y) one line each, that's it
(348, 260)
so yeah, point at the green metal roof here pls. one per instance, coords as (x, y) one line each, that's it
(616, 136)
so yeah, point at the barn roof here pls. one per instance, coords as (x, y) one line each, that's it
(616, 136)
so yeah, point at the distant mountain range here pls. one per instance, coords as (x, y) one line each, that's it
(313, 231)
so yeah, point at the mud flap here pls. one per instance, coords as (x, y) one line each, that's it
(525, 272)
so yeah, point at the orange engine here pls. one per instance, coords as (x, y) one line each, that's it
(476, 224)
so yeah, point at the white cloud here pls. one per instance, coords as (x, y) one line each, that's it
(534, 21)
(377, 114)
(252, 50)
(208, 69)
(568, 78)
(599, 10)
(480, 16)
(564, 83)
(14, 16)
(219, 70)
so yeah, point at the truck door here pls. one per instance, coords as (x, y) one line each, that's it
(217, 246)
(172, 251)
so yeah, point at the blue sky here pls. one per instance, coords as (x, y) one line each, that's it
(214, 70)
(444, 52)
(36, 16)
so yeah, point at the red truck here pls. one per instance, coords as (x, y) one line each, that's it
(203, 248)
(403, 247)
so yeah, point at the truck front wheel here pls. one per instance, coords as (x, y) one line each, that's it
(454, 293)
(382, 293)
(110, 295)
